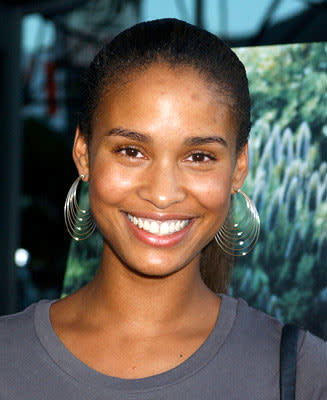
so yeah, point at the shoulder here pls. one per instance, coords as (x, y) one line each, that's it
(16, 329)
(311, 367)
(12, 321)
(258, 326)
(255, 339)
(262, 332)
(259, 335)
(20, 350)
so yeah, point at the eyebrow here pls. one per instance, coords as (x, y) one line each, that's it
(143, 138)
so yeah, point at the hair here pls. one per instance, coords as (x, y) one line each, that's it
(178, 44)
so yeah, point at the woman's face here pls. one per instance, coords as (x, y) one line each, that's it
(148, 158)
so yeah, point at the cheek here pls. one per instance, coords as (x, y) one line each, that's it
(110, 184)
(214, 191)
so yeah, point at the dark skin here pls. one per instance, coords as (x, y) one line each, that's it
(147, 309)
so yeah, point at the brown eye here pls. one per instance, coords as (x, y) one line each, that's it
(129, 151)
(200, 157)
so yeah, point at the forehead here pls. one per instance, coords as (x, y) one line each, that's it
(164, 76)
(161, 97)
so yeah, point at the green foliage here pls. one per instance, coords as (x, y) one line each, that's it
(288, 83)
(288, 183)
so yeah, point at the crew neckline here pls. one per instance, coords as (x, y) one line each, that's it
(87, 375)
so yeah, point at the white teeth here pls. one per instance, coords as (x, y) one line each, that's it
(171, 227)
(154, 227)
(164, 228)
(146, 225)
(157, 227)
(183, 224)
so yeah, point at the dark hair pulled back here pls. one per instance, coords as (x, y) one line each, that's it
(179, 44)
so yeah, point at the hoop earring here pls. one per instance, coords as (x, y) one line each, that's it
(238, 239)
(79, 222)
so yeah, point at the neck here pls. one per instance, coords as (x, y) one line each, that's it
(121, 297)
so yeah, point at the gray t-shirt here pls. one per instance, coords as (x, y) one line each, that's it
(239, 360)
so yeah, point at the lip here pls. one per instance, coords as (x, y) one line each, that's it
(155, 240)
(159, 217)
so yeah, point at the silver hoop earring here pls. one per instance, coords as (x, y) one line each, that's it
(79, 222)
(239, 238)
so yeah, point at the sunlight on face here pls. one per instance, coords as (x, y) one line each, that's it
(162, 143)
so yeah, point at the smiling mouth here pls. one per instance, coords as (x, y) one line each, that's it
(157, 227)
(175, 234)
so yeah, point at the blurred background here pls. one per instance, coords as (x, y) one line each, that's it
(46, 46)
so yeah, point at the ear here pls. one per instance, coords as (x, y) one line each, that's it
(241, 168)
(80, 154)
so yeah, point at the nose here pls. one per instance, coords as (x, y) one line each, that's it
(161, 185)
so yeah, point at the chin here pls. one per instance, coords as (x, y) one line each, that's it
(156, 271)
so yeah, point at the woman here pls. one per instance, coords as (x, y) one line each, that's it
(162, 141)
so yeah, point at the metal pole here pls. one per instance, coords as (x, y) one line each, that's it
(10, 153)
(199, 13)
(223, 13)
